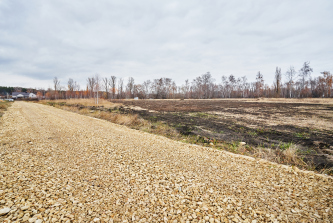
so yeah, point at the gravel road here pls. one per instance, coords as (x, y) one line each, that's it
(58, 166)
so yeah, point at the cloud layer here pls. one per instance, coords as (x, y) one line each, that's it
(152, 39)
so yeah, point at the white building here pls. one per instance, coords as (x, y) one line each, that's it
(23, 95)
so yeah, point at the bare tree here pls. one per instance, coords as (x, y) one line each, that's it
(305, 72)
(146, 88)
(277, 81)
(77, 89)
(187, 88)
(157, 88)
(76, 86)
(70, 84)
(207, 81)
(173, 89)
(184, 89)
(91, 84)
(259, 84)
(232, 83)
(162, 88)
(225, 87)
(120, 88)
(290, 74)
(56, 85)
(130, 87)
(105, 81)
(97, 86)
(167, 88)
(244, 85)
(328, 80)
(197, 89)
(113, 86)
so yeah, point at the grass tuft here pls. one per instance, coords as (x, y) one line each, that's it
(290, 154)
(3, 106)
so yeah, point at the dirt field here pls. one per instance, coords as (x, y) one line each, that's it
(58, 166)
(260, 123)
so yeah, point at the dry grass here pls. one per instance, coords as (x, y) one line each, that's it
(290, 154)
(3, 106)
(268, 154)
(328, 171)
(86, 102)
(250, 118)
(128, 120)
(265, 100)
(279, 100)
(298, 100)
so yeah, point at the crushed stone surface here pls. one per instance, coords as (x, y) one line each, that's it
(58, 166)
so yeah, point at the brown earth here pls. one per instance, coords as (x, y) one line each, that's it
(262, 123)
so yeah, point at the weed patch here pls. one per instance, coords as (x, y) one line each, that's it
(285, 146)
(4, 106)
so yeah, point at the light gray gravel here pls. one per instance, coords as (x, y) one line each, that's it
(58, 166)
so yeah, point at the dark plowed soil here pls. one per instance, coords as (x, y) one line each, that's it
(212, 105)
(206, 118)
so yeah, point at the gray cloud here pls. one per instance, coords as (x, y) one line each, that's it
(151, 39)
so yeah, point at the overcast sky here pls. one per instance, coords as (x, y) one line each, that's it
(41, 39)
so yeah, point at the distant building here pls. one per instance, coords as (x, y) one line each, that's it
(17, 95)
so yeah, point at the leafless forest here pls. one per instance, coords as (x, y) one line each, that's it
(291, 83)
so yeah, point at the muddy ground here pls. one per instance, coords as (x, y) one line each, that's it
(259, 124)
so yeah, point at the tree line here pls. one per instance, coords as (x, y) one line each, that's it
(288, 84)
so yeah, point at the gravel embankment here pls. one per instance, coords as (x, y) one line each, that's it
(58, 166)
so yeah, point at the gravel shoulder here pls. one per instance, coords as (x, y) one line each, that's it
(60, 166)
